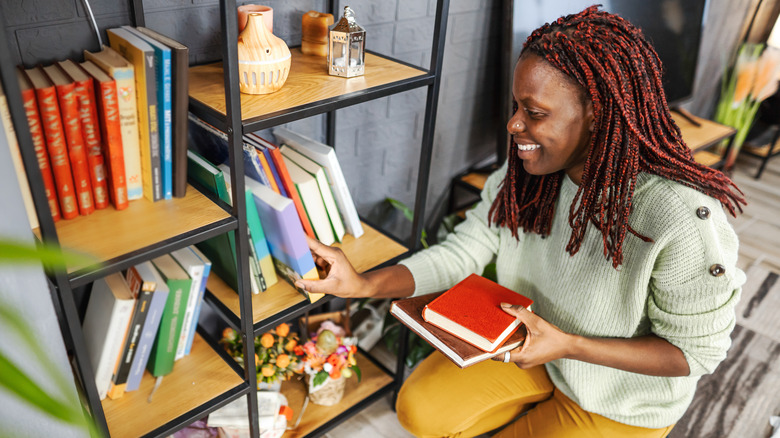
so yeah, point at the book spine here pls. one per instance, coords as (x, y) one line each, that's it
(119, 379)
(85, 92)
(181, 99)
(131, 147)
(36, 132)
(58, 151)
(111, 126)
(196, 274)
(198, 304)
(289, 186)
(163, 352)
(78, 156)
(166, 125)
(115, 335)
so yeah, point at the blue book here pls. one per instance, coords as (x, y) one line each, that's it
(162, 66)
(261, 148)
(142, 277)
(201, 292)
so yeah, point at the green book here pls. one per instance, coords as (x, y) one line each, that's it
(179, 283)
(219, 249)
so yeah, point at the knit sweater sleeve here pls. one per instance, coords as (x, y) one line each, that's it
(692, 302)
(468, 249)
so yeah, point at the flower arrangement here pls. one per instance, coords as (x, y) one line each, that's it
(329, 354)
(277, 353)
(753, 79)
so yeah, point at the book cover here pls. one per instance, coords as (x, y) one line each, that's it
(179, 283)
(123, 73)
(69, 111)
(276, 162)
(312, 201)
(141, 56)
(259, 249)
(286, 239)
(199, 301)
(39, 143)
(144, 277)
(471, 311)
(325, 156)
(409, 312)
(194, 267)
(90, 130)
(315, 170)
(163, 78)
(56, 146)
(271, 175)
(180, 62)
(106, 321)
(16, 158)
(143, 300)
(110, 124)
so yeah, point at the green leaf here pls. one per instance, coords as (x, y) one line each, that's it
(357, 372)
(320, 378)
(25, 254)
(490, 272)
(400, 206)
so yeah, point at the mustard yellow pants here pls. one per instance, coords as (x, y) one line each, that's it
(441, 400)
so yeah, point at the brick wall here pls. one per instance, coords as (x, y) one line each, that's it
(377, 142)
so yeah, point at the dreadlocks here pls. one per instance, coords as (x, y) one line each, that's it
(620, 73)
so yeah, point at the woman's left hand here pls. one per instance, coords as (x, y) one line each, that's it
(543, 343)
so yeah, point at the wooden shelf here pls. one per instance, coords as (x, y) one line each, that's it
(703, 136)
(315, 416)
(307, 83)
(475, 179)
(370, 250)
(196, 379)
(707, 158)
(108, 234)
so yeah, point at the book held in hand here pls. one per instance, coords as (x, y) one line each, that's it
(471, 310)
(461, 353)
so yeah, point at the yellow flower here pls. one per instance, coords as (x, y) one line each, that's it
(291, 344)
(282, 361)
(267, 340)
(283, 330)
(267, 370)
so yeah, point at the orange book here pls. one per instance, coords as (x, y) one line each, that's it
(56, 145)
(69, 110)
(471, 311)
(85, 94)
(111, 129)
(36, 132)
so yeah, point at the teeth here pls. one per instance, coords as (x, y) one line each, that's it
(528, 147)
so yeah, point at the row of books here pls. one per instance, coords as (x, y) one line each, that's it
(291, 190)
(112, 128)
(144, 319)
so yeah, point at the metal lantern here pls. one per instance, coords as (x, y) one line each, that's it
(346, 47)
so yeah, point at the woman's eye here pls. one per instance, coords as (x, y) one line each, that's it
(533, 114)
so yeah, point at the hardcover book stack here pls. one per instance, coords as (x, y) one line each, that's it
(113, 128)
(292, 190)
(144, 319)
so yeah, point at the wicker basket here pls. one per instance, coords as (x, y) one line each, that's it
(263, 58)
(327, 394)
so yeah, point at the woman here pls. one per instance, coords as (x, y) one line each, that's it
(601, 216)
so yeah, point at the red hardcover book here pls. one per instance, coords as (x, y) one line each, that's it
(36, 132)
(111, 130)
(69, 110)
(56, 145)
(289, 185)
(85, 95)
(471, 311)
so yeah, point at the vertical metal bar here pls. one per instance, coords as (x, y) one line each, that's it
(71, 327)
(330, 128)
(235, 132)
(137, 7)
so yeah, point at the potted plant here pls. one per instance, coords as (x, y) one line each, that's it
(329, 359)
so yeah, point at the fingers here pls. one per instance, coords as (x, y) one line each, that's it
(321, 251)
(324, 286)
(515, 310)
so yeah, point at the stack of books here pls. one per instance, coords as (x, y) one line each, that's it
(295, 189)
(144, 319)
(110, 129)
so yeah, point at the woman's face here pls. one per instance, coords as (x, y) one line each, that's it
(552, 125)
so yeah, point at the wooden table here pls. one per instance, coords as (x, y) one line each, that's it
(700, 138)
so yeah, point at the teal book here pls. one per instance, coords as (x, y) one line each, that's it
(163, 77)
(179, 284)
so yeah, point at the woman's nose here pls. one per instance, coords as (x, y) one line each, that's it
(515, 124)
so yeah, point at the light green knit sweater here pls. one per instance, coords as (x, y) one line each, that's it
(663, 287)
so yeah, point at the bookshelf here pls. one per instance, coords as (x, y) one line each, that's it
(208, 378)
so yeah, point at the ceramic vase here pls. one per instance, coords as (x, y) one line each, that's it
(245, 10)
(263, 58)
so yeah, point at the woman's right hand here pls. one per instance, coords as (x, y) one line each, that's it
(341, 278)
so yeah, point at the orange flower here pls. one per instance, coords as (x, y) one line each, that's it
(283, 330)
(335, 373)
(282, 361)
(229, 334)
(268, 370)
(291, 345)
(267, 340)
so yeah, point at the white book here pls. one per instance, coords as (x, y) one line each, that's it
(311, 198)
(325, 156)
(318, 173)
(106, 321)
(194, 267)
